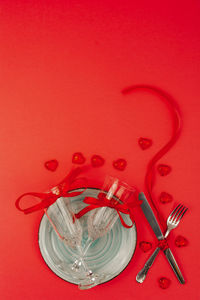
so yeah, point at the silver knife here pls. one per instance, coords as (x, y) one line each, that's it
(146, 208)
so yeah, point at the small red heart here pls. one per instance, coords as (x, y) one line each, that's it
(165, 198)
(164, 169)
(97, 161)
(145, 246)
(78, 158)
(164, 282)
(144, 143)
(51, 165)
(120, 164)
(181, 241)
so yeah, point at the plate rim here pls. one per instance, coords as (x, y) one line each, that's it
(134, 250)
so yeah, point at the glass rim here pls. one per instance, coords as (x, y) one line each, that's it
(121, 182)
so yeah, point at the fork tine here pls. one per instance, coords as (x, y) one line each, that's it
(174, 212)
(181, 214)
(179, 211)
(175, 209)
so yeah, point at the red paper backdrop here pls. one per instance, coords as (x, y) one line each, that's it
(63, 65)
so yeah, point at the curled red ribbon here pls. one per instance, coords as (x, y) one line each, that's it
(47, 199)
(163, 244)
(176, 130)
(102, 201)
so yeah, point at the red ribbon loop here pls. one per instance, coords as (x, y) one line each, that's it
(47, 199)
(102, 201)
(163, 244)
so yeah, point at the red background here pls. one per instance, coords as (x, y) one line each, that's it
(63, 65)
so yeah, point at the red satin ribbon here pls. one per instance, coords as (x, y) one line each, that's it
(163, 244)
(47, 199)
(102, 201)
(176, 130)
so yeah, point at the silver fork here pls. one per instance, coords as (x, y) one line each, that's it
(175, 217)
(172, 222)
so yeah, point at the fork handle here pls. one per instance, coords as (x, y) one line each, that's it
(142, 274)
(174, 265)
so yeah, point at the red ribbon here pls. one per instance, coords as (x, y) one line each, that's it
(163, 244)
(102, 201)
(176, 130)
(47, 199)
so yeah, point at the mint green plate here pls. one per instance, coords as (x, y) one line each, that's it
(108, 255)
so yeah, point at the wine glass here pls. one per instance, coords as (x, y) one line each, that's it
(101, 220)
(69, 230)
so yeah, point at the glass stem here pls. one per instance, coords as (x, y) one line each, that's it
(81, 259)
(87, 246)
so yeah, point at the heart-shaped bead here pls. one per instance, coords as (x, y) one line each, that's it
(78, 158)
(181, 241)
(144, 143)
(120, 164)
(165, 198)
(164, 282)
(145, 246)
(97, 161)
(164, 169)
(51, 165)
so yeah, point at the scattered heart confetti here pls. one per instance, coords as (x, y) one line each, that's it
(164, 169)
(97, 161)
(164, 282)
(78, 158)
(120, 164)
(165, 198)
(51, 165)
(144, 143)
(145, 246)
(181, 241)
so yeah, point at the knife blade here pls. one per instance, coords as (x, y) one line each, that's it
(147, 210)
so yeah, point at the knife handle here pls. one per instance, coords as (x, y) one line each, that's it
(174, 265)
(142, 274)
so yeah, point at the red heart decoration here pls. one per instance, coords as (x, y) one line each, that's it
(164, 282)
(144, 143)
(51, 165)
(164, 169)
(165, 198)
(120, 164)
(78, 158)
(97, 161)
(145, 246)
(181, 241)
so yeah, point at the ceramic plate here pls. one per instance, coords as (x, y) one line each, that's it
(108, 255)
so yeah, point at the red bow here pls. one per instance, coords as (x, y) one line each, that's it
(47, 199)
(163, 245)
(102, 201)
